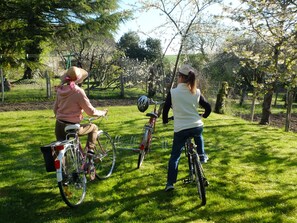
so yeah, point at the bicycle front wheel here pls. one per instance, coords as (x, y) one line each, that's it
(199, 179)
(73, 184)
(104, 155)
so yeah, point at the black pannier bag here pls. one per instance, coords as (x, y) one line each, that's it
(49, 155)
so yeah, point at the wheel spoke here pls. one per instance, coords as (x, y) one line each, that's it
(73, 184)
(199, 179)
(104, 156)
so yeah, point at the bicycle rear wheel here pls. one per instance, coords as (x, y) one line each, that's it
(73, 185)
(199, 178)
(104, 155)
(144, 146)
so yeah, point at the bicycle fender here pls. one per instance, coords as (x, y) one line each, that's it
(59, 171)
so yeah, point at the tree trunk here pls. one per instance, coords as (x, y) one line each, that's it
(253, 105)
(243, 95)
(276, 97)
(48, 85)
(151, 87)
(266, 108)
(28, 73)
(2, 84)
(33, 52)
(220, 106)
(290, 98)
(175, 68)
(122, 94)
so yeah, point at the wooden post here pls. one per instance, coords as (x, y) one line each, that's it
(48, 85)
(289, 99)
(2, 84)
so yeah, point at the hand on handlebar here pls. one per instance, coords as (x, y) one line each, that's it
(101, 113)
(202, 115)
(106, 111)
(169, 119)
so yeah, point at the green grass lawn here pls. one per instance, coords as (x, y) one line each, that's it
(252, 174)
(36, 91)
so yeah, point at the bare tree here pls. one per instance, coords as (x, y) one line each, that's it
(181, 17)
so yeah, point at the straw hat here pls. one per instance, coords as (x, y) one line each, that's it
(76, 74)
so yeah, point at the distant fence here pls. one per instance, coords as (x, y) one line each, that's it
(42, 88)
(27, 90)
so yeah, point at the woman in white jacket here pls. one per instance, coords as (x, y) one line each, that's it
(184, 101)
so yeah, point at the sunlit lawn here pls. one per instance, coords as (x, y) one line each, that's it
(36, 91)
(252, 174)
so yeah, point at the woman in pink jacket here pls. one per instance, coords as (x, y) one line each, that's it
(71, 102)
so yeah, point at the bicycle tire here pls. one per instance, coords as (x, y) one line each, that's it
(104, 155)
(199, 178)
(73, 185)
(190, 166)
(144, 146)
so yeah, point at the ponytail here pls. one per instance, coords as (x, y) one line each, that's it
(191, 82)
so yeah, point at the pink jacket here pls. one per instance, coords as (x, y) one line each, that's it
(70, 104)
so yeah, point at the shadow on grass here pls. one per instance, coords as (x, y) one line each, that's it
(248, 176)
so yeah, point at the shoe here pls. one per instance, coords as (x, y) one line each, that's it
(169, 188)
(205, 182)
(203, 158)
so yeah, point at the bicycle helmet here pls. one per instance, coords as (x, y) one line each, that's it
(142, 103)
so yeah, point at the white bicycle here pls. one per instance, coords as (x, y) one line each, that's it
(73, 165)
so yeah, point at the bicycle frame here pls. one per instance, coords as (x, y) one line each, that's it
(155, 114)
(148, 130)
(72, 163)
(75, 142)
(190, 152)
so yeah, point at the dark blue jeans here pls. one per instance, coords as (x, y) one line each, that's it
(179, 140)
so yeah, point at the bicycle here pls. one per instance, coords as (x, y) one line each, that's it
(196, 172)
(72, 164)
(148, 130)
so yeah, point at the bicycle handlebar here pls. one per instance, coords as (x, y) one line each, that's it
(171, 118)
(90, 119)
(155, 102)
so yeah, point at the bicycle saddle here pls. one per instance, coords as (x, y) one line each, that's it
(72, 128)
(152, 115)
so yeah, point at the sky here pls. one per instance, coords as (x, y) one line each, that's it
(145, 24)
(142, 22)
